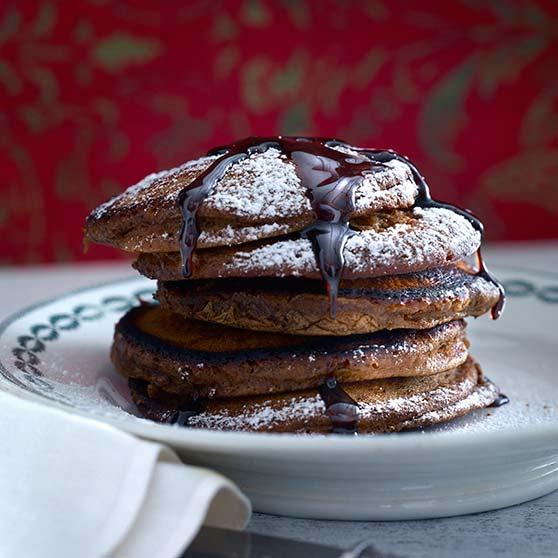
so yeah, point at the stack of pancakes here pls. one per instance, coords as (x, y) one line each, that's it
(250, 339)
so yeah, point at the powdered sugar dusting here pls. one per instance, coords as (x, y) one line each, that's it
(261, 415)
(482, 396)
(266, 185)
(436, 236)
(286, 257)
(149, 185)
(262, 188)
(231, 235)
(441, 397)
(269, 414)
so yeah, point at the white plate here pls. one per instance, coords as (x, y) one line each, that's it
(57, 352)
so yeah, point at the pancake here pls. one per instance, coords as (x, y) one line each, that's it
(209, 360)
(395, 243)
(257, 198)
(300, 306)
(386, 405)
(245, 241)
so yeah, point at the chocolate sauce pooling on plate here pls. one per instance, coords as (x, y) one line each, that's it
(331, 178)
(500, 400)
(341, 408)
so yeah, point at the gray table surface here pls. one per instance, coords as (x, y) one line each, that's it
(528, 530)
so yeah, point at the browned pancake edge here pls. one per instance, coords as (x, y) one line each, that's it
(203, 359)
(385, 405)
(298, 306)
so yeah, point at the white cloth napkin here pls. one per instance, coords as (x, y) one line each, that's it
(73, 487)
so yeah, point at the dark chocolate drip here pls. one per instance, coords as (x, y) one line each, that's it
(425, 200)
(186, 412)
(500, 400)
(190, 200)
(170, 413)
(341, 408)
(483, 272)
(330, 177)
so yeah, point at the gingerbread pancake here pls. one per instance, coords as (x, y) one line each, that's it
(201, 359)
(300, 306)
(390, 244)
(245, 244)
(384, 405)
(259, 197)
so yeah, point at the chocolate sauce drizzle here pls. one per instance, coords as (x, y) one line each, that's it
(331, 178)
(425, 200)
(341, 408)
(182, 415)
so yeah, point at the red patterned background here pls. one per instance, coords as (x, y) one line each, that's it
(95, 94)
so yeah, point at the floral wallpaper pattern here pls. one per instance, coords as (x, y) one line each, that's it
(97, 93)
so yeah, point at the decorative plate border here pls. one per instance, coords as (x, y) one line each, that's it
(27, 354)
(521, 288)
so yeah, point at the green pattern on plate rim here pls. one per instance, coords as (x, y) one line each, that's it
(26, 354)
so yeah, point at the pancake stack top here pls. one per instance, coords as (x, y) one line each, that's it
(304, 285)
